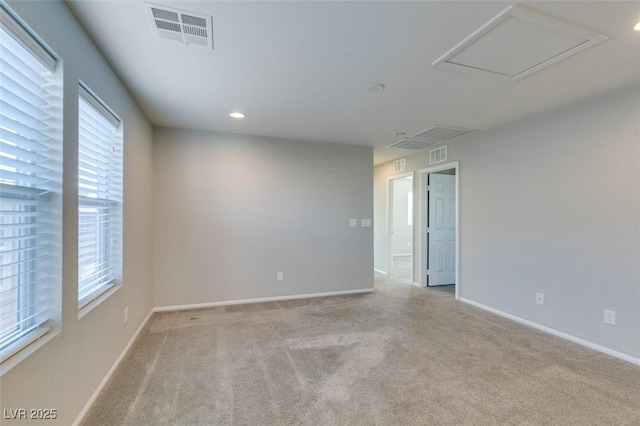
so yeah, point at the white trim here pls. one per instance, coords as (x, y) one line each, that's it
(259, 300)
(389, 250)
(380, 271)
(422, 173)
(113, 368)
(39, 340)
(23, 34)
(554, 332)
(14, 348)
(98, 104)
(102, 294)
(95, 294)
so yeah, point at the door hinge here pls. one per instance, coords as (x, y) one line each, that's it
(428, 229)
(428, 187)
(428, 272)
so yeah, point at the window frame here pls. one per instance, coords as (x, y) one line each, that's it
(112, 251)
(37, 293)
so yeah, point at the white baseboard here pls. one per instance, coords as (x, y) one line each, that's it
(113, 368)
(380, 271)
(554, 332)
(259, 300)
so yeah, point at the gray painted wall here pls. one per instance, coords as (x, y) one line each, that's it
(232, 211)
(64, 373)
(551, 204)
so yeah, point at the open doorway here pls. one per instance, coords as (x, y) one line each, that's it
(400, 227)
(438, 215)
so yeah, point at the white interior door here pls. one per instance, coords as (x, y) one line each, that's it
(441, 230)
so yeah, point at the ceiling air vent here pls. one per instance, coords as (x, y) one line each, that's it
(429, 137)
(181, 26)
(410, 143)
(442, 133)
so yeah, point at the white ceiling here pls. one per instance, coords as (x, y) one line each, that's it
(300, 70)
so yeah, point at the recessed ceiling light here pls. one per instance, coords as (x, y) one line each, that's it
(376, 87)
(637, 27)
(237, 114)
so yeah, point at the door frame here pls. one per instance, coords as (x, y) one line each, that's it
(390, 222)
(423, 197)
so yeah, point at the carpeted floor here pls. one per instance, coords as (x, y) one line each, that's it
(402, 267)
(400, 356)
(402, 276)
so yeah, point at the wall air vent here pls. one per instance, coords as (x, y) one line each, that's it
(181, 26)
(437, 155)
(400, 165)
(518, 42)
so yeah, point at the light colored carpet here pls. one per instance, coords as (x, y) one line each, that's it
(402, 275)
(401, 356)
(402, 267)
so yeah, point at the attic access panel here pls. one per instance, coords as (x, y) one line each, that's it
(517, 43)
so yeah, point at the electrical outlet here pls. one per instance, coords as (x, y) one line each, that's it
(540, 298)
(126, 314)
(609, 317)
(353, 223)
(280, 276)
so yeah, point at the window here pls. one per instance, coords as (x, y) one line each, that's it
(99, 198)
(30, 181)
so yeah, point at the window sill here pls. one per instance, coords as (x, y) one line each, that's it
(89, 305)
(21, 354)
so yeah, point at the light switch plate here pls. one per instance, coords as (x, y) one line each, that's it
(353, 223)
(366, 223)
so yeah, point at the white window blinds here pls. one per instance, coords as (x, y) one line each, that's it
(99, 198)
(30, 177)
